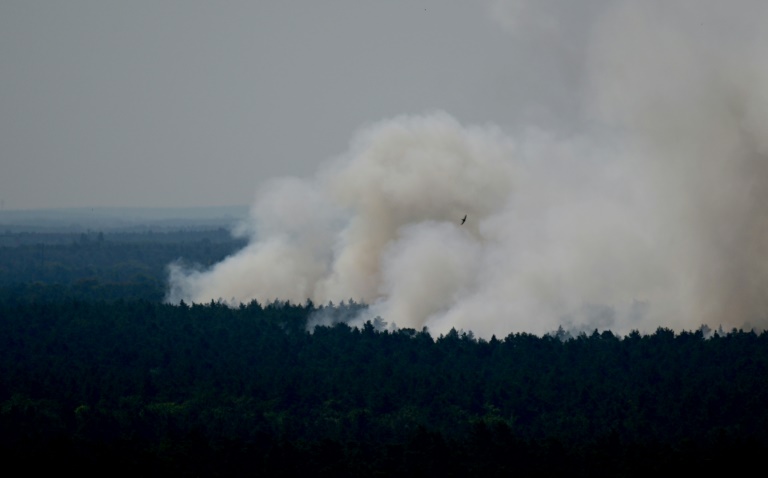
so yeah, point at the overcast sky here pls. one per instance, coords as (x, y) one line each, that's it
(195, 103)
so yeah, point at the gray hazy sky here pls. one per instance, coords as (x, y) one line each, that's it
(195, 103)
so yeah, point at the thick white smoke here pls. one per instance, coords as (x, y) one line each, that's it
(655, 214)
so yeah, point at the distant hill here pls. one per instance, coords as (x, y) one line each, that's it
(120, 219)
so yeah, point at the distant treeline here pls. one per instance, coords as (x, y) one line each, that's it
(152, 388)
(31, 238)
(103, 266)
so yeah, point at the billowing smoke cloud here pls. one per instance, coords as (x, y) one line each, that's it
(654, 214)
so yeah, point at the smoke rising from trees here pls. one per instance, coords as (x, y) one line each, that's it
(652, 210)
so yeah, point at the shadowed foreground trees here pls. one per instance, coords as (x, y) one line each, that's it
(208, 389)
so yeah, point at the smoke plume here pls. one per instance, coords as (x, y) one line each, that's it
(652, 211)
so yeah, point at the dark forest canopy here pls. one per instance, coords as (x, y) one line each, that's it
(103, 265)
(168, 382)
(97, 370)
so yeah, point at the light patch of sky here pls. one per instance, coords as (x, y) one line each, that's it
(193, 103)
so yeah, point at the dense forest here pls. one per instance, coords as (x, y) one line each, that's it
(96, 371)
(98, 265)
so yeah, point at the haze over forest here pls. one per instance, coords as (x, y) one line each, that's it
(610, 157)
(397, 238)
